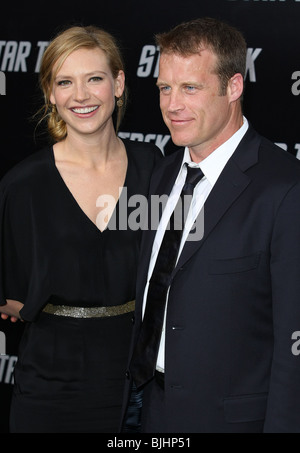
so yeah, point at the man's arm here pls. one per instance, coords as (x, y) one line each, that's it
(283, 410)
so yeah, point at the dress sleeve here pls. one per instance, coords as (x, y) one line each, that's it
(20, 261)
(14, 247)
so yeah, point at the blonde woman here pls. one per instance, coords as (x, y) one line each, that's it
(67, 267)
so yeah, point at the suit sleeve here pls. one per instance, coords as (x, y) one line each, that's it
(283, 410)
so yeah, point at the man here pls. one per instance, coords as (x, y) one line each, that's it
(225, 361)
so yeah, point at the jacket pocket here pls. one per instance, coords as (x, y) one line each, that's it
(248, 408)
(234, 265)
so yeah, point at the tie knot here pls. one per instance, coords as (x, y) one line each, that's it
(194, 174)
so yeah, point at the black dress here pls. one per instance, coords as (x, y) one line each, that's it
(70, 371)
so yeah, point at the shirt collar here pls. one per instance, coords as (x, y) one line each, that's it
(214, 164)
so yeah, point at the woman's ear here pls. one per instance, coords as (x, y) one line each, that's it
(52, 98)
(119, 84)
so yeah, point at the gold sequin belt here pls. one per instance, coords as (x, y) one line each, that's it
(89, 312)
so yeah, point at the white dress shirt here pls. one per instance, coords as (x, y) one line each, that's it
(211, 167)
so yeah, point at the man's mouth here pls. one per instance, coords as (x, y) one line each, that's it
(179, 122)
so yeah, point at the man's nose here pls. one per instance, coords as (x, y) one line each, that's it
(175, 102)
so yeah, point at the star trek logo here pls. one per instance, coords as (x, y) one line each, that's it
(7, 366)
(296, 85)
(159, 139)
(15, 56)
(2, 343)
(149, 62)
(2, 83)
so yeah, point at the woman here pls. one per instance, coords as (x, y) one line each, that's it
(67, 268)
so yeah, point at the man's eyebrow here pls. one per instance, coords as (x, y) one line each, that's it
(186, 83)
(161, 82)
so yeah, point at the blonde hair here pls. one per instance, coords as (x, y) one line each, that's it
(59, 49)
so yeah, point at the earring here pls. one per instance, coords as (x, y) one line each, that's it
(120, 102)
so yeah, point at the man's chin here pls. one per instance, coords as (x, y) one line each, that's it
(179, 141)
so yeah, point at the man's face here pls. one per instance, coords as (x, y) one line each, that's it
(192, 107)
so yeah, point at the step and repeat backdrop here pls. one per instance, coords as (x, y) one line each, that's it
(271, 103)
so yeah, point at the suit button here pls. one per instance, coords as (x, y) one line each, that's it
(127, 374)
(133, 319)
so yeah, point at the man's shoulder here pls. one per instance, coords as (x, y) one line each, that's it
(276, 159)
(171, 161)
(274, 163)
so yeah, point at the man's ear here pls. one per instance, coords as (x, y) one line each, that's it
(236, 87)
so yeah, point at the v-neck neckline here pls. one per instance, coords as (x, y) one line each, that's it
(75, 202)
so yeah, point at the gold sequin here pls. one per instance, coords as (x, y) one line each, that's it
(89, 312)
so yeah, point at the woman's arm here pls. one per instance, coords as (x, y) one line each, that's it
(11, 309)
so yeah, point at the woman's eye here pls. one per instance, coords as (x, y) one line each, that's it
(63, 83)
(96, 79)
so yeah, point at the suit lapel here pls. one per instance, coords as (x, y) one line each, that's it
(222, 196)
(230, 185)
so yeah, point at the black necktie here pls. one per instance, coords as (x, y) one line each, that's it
(144, 358)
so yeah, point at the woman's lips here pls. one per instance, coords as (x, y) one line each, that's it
(84, 110)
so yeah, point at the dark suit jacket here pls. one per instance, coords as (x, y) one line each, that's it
(234, 300)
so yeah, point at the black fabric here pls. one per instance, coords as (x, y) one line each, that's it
(70, 375)
(49, 247)
(70, 372)
(144, 359)
(228, 342)
(132, 422)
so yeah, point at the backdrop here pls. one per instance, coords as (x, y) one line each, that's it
(271, 28)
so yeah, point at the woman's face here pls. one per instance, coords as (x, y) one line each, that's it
(84, 92)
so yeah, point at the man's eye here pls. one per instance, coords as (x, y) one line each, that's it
(190, 88)
(164, 90)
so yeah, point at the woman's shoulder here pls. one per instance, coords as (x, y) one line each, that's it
(143, 153)
(29, 170)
